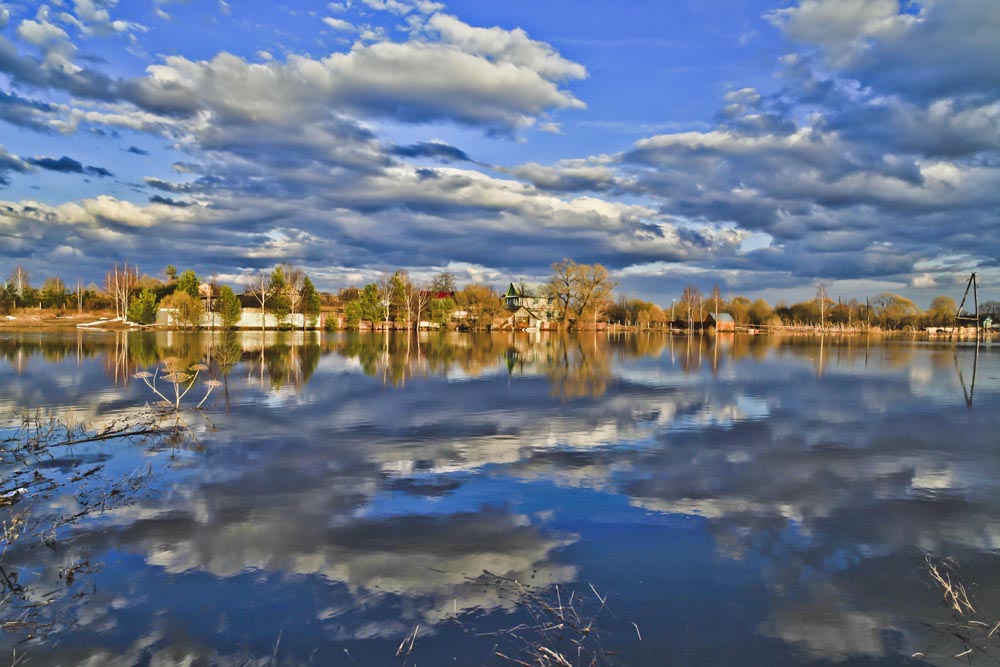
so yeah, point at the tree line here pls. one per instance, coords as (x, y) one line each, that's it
(577, 293)
(136, 297)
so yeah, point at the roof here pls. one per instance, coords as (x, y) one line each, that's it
(724, 317)
(529, 291)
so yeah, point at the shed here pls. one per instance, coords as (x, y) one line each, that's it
(725, 322)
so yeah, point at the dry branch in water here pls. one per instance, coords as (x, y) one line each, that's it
(954, 592)
(975, 637)
(563, 629)
(39, 501)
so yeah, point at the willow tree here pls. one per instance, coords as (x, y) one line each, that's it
(580, 290)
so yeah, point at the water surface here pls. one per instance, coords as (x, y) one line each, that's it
(751, 501)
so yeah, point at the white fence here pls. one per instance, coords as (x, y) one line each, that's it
(249, 319)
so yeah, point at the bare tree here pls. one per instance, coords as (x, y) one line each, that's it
(387, 290)
(821, 297)
(419, 297)
(692, 300)
(562, 285)
(19, 279)
(120, 283)
(716, 300)
(259, 288)
(593, 290)
(580, 289)
(295, 279)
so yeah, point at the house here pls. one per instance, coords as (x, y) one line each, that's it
(532, 297)
(725, 322)
(530, 306)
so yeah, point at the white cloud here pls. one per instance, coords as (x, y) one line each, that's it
(95, 19)
(107, 208)
(841, 26)
(403, 7)
(510, 46)
(412, 81)
(339, 24)
(41, 33)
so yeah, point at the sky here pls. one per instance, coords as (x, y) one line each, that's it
(767, 147)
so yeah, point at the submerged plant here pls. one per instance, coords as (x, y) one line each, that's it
(182, 381)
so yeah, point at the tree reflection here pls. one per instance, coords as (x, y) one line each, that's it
(578, 367)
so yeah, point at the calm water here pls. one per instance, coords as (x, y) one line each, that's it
(742, 502)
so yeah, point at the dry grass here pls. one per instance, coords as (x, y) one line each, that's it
(975, 637)
(562, 629)
(955, 595)
(30, 516)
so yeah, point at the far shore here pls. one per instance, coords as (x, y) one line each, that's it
(65, 321)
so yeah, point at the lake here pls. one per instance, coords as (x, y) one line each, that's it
(640, 499)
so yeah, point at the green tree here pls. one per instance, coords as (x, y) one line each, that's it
(143, 308)
(187, 309)
(441, 310)
(278, 294)
(229, 307)
(760, 312)
(352, 314)
(188, 282)
(739, 308)
(6, 300)
(894, 311)
(53, 293)
(311, 303)
(942, 311)
(481, 303)
(171, 272)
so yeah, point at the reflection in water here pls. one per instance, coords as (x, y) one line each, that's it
(745, 499)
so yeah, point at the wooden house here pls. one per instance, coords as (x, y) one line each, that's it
(529, 306)
(725, 322)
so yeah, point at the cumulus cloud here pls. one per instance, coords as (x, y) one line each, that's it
(413, 82)
(569, 175)
(941, 48)
(94, 18)
(848, 167)
(512, 46)
(338, 24)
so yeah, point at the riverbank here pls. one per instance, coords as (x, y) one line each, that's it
(50, 320)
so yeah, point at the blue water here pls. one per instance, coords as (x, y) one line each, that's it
(748, 501)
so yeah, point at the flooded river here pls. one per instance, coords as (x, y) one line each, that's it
(460, 499)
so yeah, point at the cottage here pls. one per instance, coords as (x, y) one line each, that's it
(725, 322)
(532, 297)
(530, 307)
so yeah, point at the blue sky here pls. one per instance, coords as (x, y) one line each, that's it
(767, 147)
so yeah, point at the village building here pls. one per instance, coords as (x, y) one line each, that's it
(725, 322)
(530, 308)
